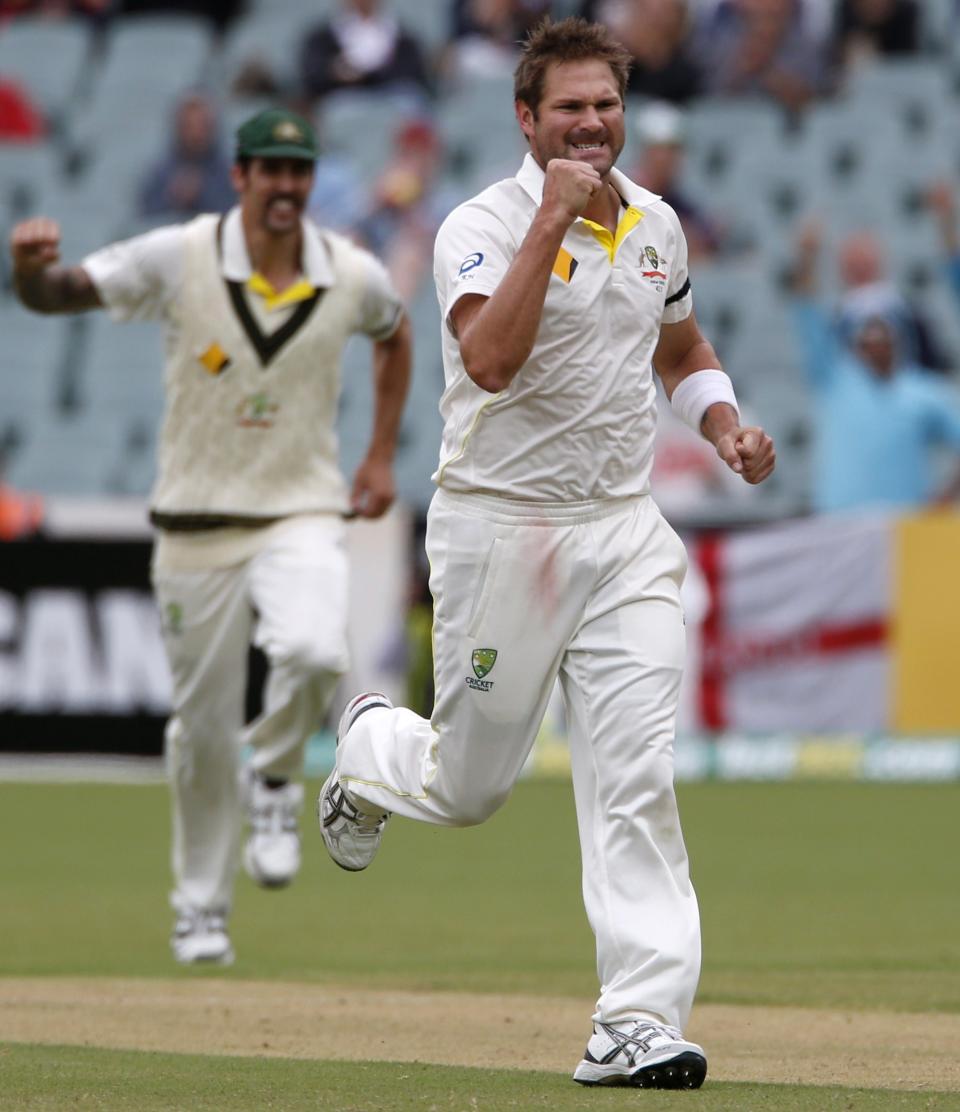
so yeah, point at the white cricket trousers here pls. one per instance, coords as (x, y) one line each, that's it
(589, 592)
(290, 599)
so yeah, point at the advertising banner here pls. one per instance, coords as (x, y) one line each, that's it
(82, 663)
(82, 667)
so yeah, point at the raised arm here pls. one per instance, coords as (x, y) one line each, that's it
(497, 333)
(941, 200)
(815, 335)
(39, 282)
(683, 351)
(373, 484)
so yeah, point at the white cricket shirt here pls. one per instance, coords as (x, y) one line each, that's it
(140, 278)
(252, 376)
(577, 423)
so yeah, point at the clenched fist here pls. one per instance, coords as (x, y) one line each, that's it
(34, 245)
(569, 186)
(749, 452)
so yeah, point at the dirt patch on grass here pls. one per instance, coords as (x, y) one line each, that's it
(213, 1016)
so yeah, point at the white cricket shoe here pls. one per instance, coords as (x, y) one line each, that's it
(201, 936)
(352, 836)
(642, 1054)
(271, 855)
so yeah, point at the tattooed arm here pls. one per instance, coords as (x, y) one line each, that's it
(42, 284)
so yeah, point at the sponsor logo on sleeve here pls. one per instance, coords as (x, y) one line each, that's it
(471, 262)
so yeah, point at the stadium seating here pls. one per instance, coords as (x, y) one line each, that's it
(344, 116)
(123, 371)
(66, 456)
(32, 364)
(862, 158)
(269, 37)
(50, 59)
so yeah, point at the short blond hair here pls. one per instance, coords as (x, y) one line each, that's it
(569, 40)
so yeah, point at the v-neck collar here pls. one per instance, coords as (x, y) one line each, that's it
(266, 344)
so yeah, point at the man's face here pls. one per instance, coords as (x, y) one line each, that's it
(663, 161)
(579, 117)
(195, 127)
(274, 192)
(859, 260)
(876, 346)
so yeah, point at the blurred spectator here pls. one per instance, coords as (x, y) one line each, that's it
(656, 33)
(942, 201)
(762, 47)
(220, 13)
(361, 47)
(340, 197)
(96, 11)
(659, 168)
(880, 425)
(867, 27)
(869, 292)
(485, 34)
(255, 77)
(20, 120)
(407, 206)
(21, 515)
(194, 175)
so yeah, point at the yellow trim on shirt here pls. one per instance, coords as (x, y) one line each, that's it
(564, 265)
(467, 435)
(630, 218)
(299, 291)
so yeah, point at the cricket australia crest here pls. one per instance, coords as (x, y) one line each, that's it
(482, 661)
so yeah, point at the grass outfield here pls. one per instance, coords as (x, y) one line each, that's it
(836, 895)
(819, 895)
(38, 1078)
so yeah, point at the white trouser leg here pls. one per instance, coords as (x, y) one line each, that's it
(299, 589)
(206, 620)
(621, 682)
(600, 600)
(498, 585)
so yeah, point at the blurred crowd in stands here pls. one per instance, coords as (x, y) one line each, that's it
(790, 50)
(853, 301)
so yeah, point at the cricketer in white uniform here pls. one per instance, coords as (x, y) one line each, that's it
(249, 499)
(560, 290)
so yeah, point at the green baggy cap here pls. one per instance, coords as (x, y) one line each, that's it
(276, 133)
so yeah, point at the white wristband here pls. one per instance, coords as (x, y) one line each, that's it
(697, 392)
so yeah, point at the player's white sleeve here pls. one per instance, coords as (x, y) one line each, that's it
(472, 253)
(138, 278)
(380, 308)
(679, 299)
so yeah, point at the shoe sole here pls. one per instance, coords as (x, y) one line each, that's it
(219, 959)
(686, 1071)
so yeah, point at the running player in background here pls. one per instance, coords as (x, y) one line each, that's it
(248, 501)
(561, 290)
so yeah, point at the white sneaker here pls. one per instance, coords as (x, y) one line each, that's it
(201, 936)
(271, 855)
(643, 1054)
(352, 836)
